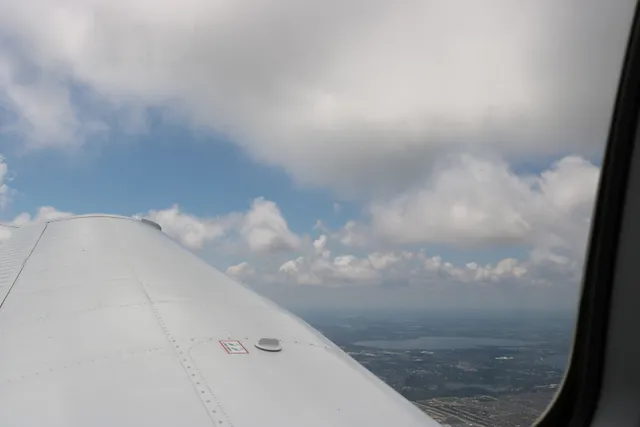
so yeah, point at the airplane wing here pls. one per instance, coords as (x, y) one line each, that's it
(106, 321)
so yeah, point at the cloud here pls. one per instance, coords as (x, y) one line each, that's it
(317, 267)
(356, 96)
(319, 244)
(265, 230)
(241, 270)
(472, 202)
(5, 191)
(400, 277)
(190, 230)
(380, 260)
(262, 228)
(391, 268)
(354, 234)
(44, 113)
(44, 213)
(469, 203)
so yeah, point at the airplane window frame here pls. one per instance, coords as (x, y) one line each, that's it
(576, 403)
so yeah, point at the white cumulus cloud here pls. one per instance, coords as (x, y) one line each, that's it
(5, 191)
(240, 270)
(192, 231)
(262, 228)
(475, 202)
(265, 230)
(44, 213)
(469, 203)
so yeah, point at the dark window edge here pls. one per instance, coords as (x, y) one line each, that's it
(577, 399)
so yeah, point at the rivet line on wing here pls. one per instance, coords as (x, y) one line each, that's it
(79, 363)
(208, 398)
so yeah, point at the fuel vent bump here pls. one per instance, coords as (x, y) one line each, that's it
(269, 344)
(151, 223)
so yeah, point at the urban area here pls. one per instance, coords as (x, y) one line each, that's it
(495, 370)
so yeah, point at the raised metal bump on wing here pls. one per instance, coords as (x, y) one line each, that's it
(111, 322)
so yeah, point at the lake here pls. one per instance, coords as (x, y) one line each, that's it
(442, 343)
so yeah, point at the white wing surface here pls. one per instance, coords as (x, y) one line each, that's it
(106, 321)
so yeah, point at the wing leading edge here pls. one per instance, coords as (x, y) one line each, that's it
(107, 321)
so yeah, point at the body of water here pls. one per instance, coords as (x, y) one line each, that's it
(442, 343)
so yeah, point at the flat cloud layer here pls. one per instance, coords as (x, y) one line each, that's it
(358, 96)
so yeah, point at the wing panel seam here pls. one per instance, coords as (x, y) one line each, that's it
(212, 413)
(6, 296)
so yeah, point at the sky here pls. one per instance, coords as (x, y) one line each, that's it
(350, 155)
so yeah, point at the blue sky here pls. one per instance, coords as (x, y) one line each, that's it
(193, 171)
(340, 154)
(178, 168)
